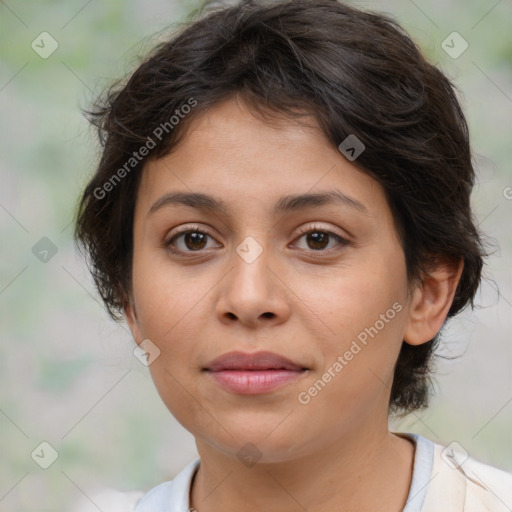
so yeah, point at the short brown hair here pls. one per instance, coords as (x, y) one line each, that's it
(359, 74)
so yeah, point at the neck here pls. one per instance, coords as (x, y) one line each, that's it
(363, 471)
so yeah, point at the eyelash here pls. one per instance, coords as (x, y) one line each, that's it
(310, 229)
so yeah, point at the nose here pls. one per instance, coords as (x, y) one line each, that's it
(253, 293)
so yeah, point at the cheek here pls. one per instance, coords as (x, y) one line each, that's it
(362, 309)
(163, 297)
(353, 298)
(167, 312)
(356, 372)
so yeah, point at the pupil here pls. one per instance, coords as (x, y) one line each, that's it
(318, 237)
(194, 238)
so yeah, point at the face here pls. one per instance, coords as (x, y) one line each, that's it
(320, 281)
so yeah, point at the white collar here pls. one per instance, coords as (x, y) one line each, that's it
(172, 496)
(435, 485)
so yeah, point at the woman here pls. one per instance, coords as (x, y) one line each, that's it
(281, 213)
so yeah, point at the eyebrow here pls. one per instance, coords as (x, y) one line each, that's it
(285, 204)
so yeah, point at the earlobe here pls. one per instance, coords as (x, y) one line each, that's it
(431, 301)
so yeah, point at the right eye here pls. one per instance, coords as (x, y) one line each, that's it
(192, 239)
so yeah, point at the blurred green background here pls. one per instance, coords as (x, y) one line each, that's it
(67, 373)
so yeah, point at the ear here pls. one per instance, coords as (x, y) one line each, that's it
(431, 301)
(131, 319)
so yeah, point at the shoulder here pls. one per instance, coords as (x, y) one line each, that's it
(109, 501)
(461, 483)
(155, 498)
(487, 484)
(170, 496)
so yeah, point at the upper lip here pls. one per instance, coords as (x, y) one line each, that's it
(255, 361)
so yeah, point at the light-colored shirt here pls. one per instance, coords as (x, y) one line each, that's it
(444, 479)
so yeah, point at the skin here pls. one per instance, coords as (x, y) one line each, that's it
(300, 298)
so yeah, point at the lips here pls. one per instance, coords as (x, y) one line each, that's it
(258, 361)
(253, 374)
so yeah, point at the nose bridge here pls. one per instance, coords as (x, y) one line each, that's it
(251, 276)
(251, 288)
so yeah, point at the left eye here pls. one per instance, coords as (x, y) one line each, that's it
(318, 239)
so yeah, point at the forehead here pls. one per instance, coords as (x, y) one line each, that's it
(227, 151)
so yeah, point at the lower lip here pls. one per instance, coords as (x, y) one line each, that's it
(254, 382)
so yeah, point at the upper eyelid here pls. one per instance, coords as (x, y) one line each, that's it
(318, 227)
(302, 230)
